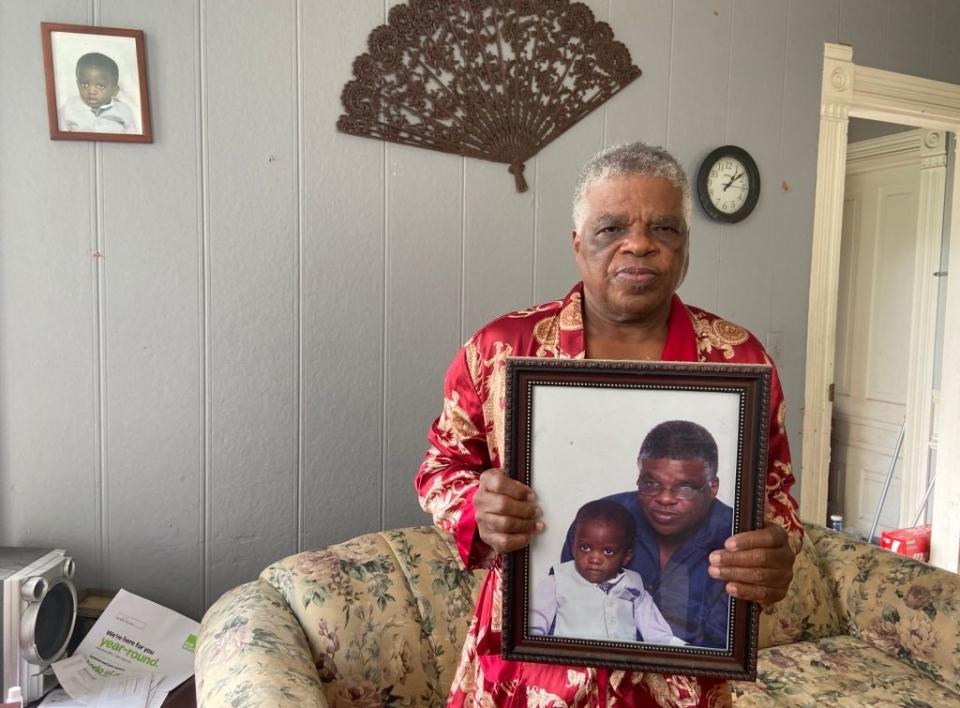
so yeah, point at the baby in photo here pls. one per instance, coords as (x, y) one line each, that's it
(96, 108)
(593, 596)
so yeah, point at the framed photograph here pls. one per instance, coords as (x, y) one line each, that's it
(96, 83)
(641, 470)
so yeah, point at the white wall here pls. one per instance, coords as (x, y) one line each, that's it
(249, 366)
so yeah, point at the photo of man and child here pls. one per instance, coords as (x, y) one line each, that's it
(632, 566)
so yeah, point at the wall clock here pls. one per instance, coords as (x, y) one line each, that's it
(728, 184)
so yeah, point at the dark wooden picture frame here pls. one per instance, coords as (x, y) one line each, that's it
(122, 110)
(573, 430)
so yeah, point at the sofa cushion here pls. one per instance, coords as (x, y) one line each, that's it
(838, 671)
(809, 610)
(384, 614)
(904, 607)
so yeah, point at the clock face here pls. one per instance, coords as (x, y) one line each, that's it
(728, 184)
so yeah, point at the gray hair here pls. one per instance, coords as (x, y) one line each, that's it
(631, 159)
(681, 440)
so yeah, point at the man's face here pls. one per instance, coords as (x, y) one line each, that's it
(674, 494)
(631, 247)
(96, 86)
(599, 550)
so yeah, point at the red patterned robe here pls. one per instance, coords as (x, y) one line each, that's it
(467, 439)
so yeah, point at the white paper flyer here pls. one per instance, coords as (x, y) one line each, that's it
(136, 648)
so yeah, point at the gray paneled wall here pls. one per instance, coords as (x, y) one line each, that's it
(227, 346)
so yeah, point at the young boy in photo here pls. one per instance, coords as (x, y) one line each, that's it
(593, 596)
(96, 108)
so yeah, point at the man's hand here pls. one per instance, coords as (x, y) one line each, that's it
(757, 565)
(507, 514)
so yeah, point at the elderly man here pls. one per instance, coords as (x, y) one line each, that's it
(631, 215)
(679, 522)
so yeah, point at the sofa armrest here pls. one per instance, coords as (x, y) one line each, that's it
(906, 608)
(252, 651)
(384, 614)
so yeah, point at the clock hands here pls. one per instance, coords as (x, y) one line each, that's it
(732, 180)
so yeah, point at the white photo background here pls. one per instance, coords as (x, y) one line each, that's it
(585, 443)
(68, 47)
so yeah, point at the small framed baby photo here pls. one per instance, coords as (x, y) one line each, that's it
(641, 470)
(96, 83)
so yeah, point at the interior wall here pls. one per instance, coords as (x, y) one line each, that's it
(863, 129)
(226, 346)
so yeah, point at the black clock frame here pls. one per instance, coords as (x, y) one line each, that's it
(753, 194)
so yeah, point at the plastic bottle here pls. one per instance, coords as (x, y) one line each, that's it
(836, 522)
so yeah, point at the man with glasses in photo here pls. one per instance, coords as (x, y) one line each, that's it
(679, 522)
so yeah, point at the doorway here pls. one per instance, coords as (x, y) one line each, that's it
(855, 91)
(883, 421)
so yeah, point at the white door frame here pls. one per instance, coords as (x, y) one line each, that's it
(851, 91)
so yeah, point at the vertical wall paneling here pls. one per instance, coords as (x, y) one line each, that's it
(152, 351)
(755, 100)
(699, 78)
(203, 302)
(251, 362)
(424, 279)
(49, 450)
(497, 242)
(809, 25)
(343, 297)
(861, 26)
(909, 26)
(557, 165)
(640, 111)
(946, 50)
(252, 148)
(424, 235)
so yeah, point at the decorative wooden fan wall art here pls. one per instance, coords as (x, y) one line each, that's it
(493, 79)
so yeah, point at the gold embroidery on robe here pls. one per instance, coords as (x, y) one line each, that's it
(719, 697)
(541, 698)
(496, 609)
(662, 692)
(472, 355)
(571, 316)
(493, 405)
(730, 333)
(783, 513)
(547, 332)
(455, 425)
(536, 309)
(718, 334)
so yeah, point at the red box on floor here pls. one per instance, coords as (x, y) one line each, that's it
(913, 542)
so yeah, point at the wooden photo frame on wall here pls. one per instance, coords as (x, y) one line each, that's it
(96, 83)
(625, 457)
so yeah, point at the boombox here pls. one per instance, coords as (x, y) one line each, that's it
(39, 604)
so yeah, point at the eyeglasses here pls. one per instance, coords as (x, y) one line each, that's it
(652, 488)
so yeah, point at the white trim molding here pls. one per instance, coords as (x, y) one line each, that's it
(923, 324)
(847, 91)
(836, 97)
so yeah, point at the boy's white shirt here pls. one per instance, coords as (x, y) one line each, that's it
(584, 609)
(115, 117)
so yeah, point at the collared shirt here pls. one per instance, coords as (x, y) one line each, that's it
(115, 117)
(565, 604)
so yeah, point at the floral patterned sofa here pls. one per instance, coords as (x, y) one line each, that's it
(378, 620)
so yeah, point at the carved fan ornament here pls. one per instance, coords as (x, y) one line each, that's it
(492, 79)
